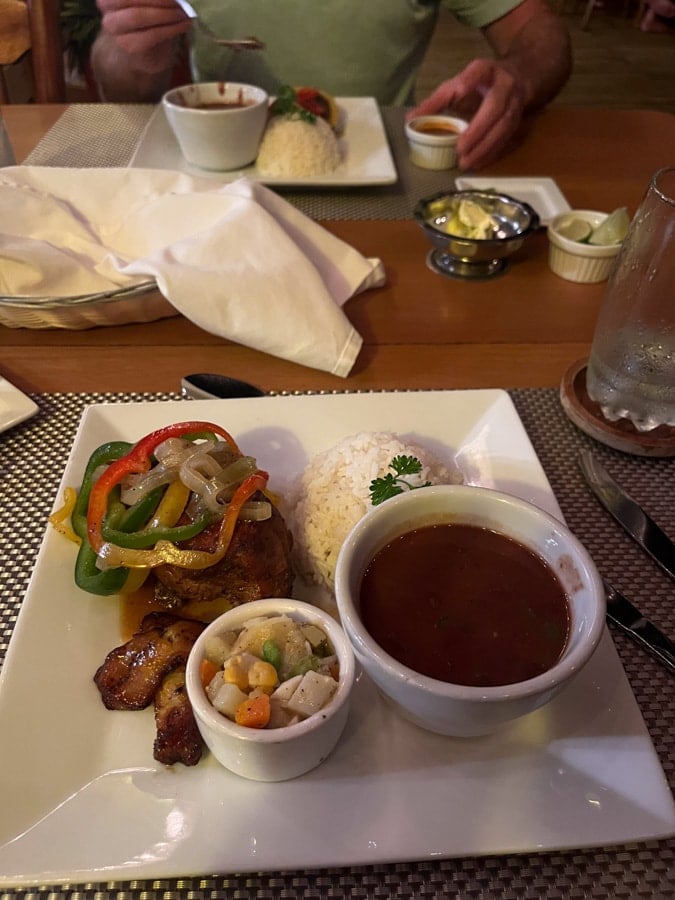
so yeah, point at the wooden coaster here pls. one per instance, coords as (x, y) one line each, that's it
(622, 434)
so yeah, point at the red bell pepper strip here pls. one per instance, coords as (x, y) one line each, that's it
(136, 461)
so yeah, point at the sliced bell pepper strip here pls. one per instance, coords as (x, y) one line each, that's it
(168, 512)
(93, 580)
(168, 552)
(137, 460)
(162, 527)
(102, 456)
(87, 574)
(60, 518)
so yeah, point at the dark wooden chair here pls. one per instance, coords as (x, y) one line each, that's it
(47, 51)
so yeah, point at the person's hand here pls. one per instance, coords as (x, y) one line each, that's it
(144, 30)
(488, 93)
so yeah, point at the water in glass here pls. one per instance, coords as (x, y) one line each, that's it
(631, 369)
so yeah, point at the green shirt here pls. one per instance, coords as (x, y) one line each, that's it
(350, 48)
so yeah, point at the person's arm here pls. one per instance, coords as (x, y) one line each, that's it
(135, 51)
(532, 62)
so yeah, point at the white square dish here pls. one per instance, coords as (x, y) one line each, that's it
(581, 772)
(367, 158)
(15, 406)
(543, 194)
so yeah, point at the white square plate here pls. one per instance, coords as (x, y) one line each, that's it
(543, 194)
(366, 157)
(15, 406)
(84, 801)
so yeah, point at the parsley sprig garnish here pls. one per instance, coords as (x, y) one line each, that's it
(395, 482)
(286, 104)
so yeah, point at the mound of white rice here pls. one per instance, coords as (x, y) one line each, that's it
(333, 493)
(294, 148)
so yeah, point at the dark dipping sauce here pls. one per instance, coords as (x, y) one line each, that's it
(465, 605)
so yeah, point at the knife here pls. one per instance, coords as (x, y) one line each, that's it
(628, 513)
(630, 620)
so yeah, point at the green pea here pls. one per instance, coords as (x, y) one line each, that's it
(271, 653)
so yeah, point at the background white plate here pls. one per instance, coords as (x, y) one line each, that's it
(15, 406)
(543, 194)
(83, 800)
(365, 151)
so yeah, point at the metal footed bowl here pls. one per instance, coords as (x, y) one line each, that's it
(474, 258)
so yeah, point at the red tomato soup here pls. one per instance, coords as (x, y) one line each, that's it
(465, 605)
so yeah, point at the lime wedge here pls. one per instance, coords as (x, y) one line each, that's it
(575, 229)
(613, 230)
(477, 220)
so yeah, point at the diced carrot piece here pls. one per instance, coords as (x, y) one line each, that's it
(207, 671)
(254, 712)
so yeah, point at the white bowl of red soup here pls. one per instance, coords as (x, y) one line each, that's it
(467, 607)
(270, 685)
(219, 124)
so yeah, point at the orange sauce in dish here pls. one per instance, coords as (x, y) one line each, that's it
(465, 605)
(437, 128)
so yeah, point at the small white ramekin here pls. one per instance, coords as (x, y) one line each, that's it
(433, 151)
(583, 263)
(274, 754)
(213, 138)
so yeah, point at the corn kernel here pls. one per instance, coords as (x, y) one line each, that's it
(234, 672)
(263, 675)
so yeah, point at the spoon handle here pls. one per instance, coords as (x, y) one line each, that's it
(187, 9)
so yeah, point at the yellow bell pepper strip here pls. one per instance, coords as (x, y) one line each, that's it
(137, 460)
(168, 552)
(60, 518)
(168, 512)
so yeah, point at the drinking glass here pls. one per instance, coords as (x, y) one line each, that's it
(631, 369)
(6, 151)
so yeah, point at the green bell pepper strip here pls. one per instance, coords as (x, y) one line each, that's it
(102, 456)
(91, 579)
(148, 537)
(138, 460)
(168, 552)
(88, 576)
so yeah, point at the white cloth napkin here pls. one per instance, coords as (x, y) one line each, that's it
(236, 259)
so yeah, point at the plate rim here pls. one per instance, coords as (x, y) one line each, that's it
(494, 399)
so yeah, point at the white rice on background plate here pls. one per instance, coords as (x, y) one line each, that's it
(294, 148)
(333, 493)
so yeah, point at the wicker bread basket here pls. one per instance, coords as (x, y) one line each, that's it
(141, 303)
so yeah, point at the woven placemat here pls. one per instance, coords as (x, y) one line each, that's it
(33, 456)
(90, 135)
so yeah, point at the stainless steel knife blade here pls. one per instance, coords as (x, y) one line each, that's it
(630, 620)
(628, 513)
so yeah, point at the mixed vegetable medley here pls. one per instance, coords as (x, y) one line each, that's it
(138, 502)
(272, 673)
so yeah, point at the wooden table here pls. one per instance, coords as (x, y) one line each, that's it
(421, 330)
